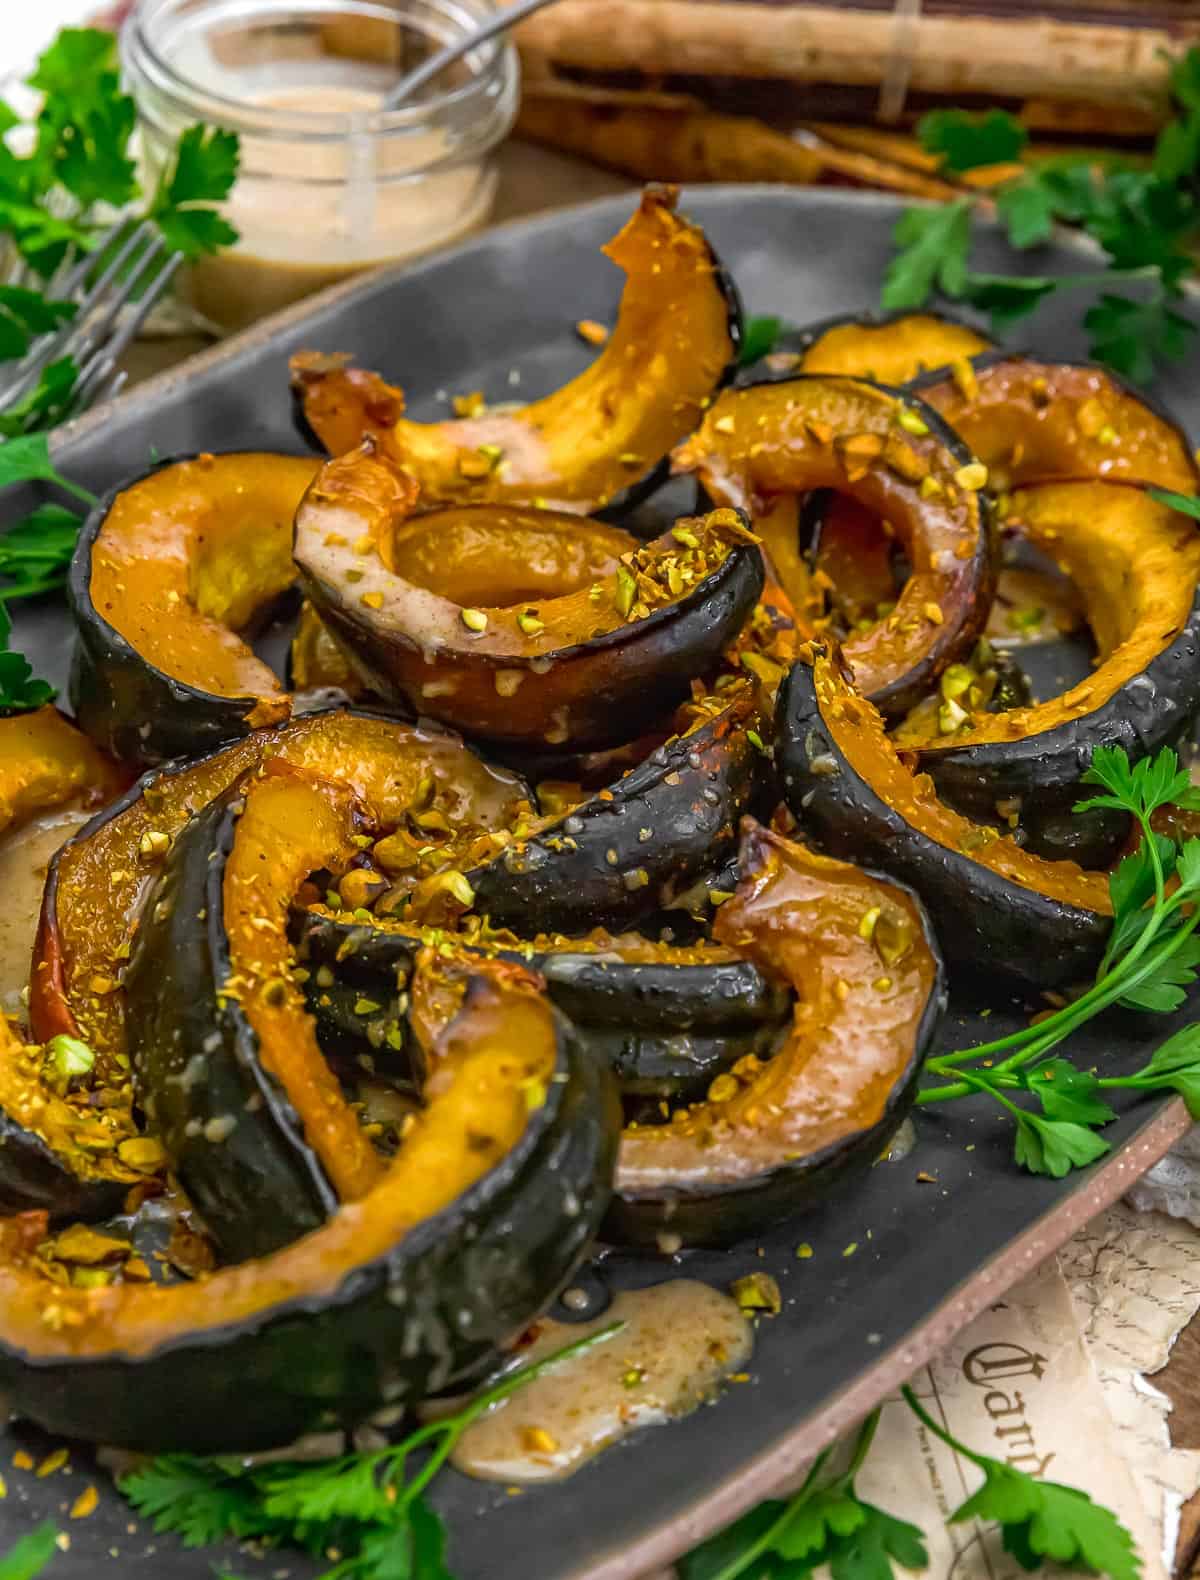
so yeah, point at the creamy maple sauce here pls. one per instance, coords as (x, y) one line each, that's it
(24, 857)
(310, 214)
(680, 1342)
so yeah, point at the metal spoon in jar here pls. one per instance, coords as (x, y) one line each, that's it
(504, 19)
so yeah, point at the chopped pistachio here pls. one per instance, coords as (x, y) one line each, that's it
(757, 1292)
(474, 619)
(972, 477)
(68, 1059)
(529, 623)
(910, 422)
(626, 591)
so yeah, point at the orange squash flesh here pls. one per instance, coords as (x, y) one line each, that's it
(44, 762)
(28, 1101)
(500, 1048)
(99, 881)
(187, 556)
(859, 733)
(581, 446)
(317, 660)
(1136, 564)
(292, 826)
(893, 352)
(855, 554)
(503, 555)
(855, 1031)
(796, 435)
(1043, 422)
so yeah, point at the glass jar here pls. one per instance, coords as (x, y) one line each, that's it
(329, 183)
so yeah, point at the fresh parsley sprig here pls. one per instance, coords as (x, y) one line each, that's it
(369, 1508)
(35, 554)
(826, 1522)
(1038, 1519)
(1145, 218)
(63, 177)
(1151, 960)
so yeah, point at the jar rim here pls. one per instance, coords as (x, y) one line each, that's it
(143, 56)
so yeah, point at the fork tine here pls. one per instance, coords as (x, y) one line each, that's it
(84, 339)
(95, 320)
(99, 377)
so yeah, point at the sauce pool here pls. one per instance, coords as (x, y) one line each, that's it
(681, 1340)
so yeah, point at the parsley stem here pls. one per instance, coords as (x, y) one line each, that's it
(1040, 1039)
(450, 1430)
(927, 1421)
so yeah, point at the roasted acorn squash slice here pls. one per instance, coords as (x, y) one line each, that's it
(635, 846)
(760, 447)
(890, 350)
(168, 571)
(597, 444)
(474, 1226)
(996, 906)
(99, 881)
(774, 1135)
(57, 1153)
(1137, 566)
(583, 640)
(1044, 422)
(225, 1057)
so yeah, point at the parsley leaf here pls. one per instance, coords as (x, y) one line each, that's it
(45, 404)
(204, 171)
(829, 1512)
(1006, 300)
(1145, 220)
(1054, 1146)
(24, 314)
(1131, 337)
(868, 1551)
(1167, 988)
(1174, 1065)
(1067, 1093)
(199, 1500)
(967, 142)
(933, 244)
(759, 336)
(1141, 788)
(28, 1557)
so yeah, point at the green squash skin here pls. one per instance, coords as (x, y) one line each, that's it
(1044, 771)
(981, 917)
(689, 793)
(196, 1058)
(128, 706)
(661, 1028)
(33, 1178)
(424, 1318)
(649, 663)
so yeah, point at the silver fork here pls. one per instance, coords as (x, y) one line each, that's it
(101, 329)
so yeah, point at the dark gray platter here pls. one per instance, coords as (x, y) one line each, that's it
(929, 1256)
